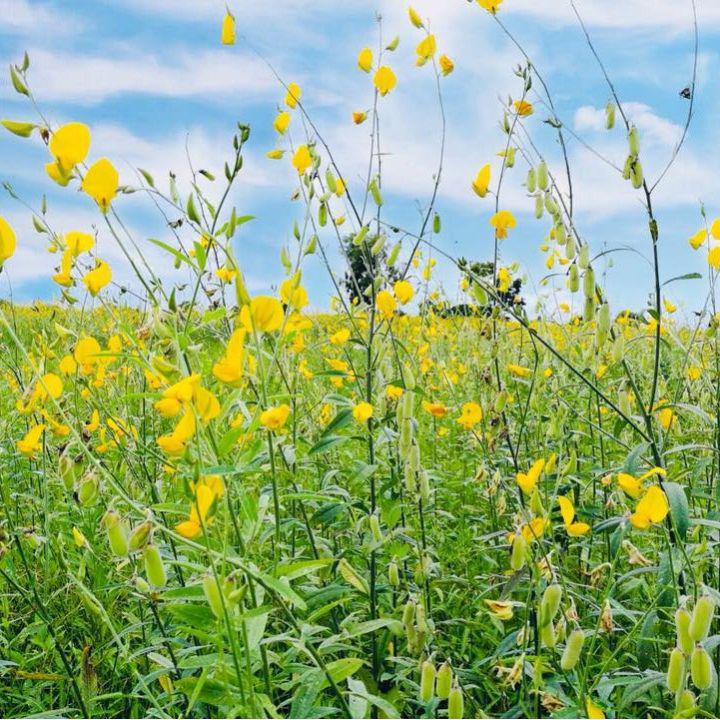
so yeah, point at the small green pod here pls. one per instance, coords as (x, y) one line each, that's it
(139, 535)
(636, 175)
(685, 703)
(550, 604)
(701, 668)
(154, 567)
(589, 283)
(392, 258)
(572, 651)
(676, 670)
(682, 631)
(420, 618)
(87, 490)
(610, 115)
(212, 595)
(702, 618)
(456, 703)
(375, 528)
(518, 553)
(539, 207)
(443, 683)
(531, 182)
(393, 574)
(542, 176)
(427, 681)
(560, 234)
(573, 281)
(548, 636)
(117, 533)
(633, 142)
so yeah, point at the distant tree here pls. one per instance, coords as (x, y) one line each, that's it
(509, 298)
(362, 267)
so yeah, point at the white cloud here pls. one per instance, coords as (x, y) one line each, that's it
(84, 78)
(23, 17)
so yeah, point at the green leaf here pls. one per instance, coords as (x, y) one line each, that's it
(21, 129)
(285, 591)
(352, 578)
(302, 568)
(342, 669)
(679, 508)
(17, 82)
(325, 443)
(175, 253)
(688, 276)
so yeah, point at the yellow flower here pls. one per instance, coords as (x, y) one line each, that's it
(302, 159)
(101, 183)
(528, 481)
(340, 337)
(652, 508)
(193, 527)
(665, 416)
(98, 278)
(403, 291)
(274, 418)
(426, 49)
(470, 415)
(490, 5)
(78, 242)
(714, 257)
(386, 304)
(293, 95)
(698, 239)
(67, 365)
(694, 372)
(365, 59)
(629, 484)
(501, 609)
(362, 412)
(415, 18)
(87, 351)
(519, 370)
(293, 294)
(226, 274)
(393, 392)
(31, 443)
(446, 65)
(523, 108)
(275, 154)
(594, 712)
(384, 80)
(567, 510)
(670, 307)
(69, 145)
(229, 369)
(282, 120)
(174, 443)
(206, 404)
(79, 538)
(535, 529)
(503, 221)
(482, 181)
(359, 117)
(437, 410)
(715, 228)
(7, 241)
(264, 314)
(227, 34)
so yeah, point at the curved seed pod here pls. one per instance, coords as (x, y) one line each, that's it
(420, 620)
(570, 248)
(589, 309)
(627, 168)
(392, 258)
(550, 604)
(702, 618)
(427, 681)
(518, 553)
(572, 651)
(676, 670)
(551, 205)
(682, 631)
(584, 257)
(560, 234)
(154, 568)
(542, 176)
(443, 683)
(701, 668)
(212, 595)
(87, 490)
(455, 703)
(636, 175)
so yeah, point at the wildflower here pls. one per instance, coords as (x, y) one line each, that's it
(365, 59)
(665, 416)
(437, 410)
(470, 415)
(98, 278)
(652, 508)
(31, 443)
(7, 241)
(594, 712)
(714, 257)
(281, 122)
(519, 370)
(426, 49)
(69, 145)
(534, 529)
(527, 481)
(502, 221)
(293, 294)
(79, 538)
(384, 80)
(87, 350)
(340, 337)
(174, 443)
(669, 306)
(403, 291)
(193, 526)
(67, 365)
(293, 95)
(490, 5)
(226, 274)
(77, 242)
(362, 412)
(101, 183)
(386, 304)
(446, 65)
(206, 404)
(567, 510)
(415, 18)
(523, 108)
(698, 239)
(275, 154)
(264, 314)
(715, 228)
(501, 609)
(227, 33)
(482, 181)
(359, 117)
(302, 159)
(274, 418)
(393, 392)
(229, 369)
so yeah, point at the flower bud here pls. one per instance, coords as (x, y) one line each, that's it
(455, 703)
(682, 630)
(702, 618)
(87, 490)
(701, 668)
(443, 683)
(70, 469)
(676, 670)
(154, 568)
(550, 604)
(573, 648)
(392, 258)
(427, 681)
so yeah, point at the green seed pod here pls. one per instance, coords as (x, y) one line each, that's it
(410, 480)
(358, 239)
(420, 618)
(375, 528)
(551, 205)
(573, 648)
(154, 568)
(627, 168)
(375, 192)
(406, 436)
(682, 630)
(408, 398)
(536, 504)
(330, 180)
(141, 585)
(531, 182)
(542, 176)
(311, 246)
(212, 595)
(676, 670)
(479, 293)
(560, 234)
(547, 635)
(70, 469)
(378, 245)
(589, 283)
(518, 553)
(701, 668)
(87, 490)
(139, 535)
(685, 703)
(573, 281)
(603, 326)
(408, 613)
(393, 574)
(584, 257)
(437, 224)
(570, 467)
(618, 349)
(550, 604)
(455, 703)
(702, 618)
(570, 248)
(636, 175)
(589, 309)
(427, 681)
(443, 683)
(392, 258)
(539, 206)
(610, 115)
(633, 142)
(500, 401)
(424, 485)
(117, 533)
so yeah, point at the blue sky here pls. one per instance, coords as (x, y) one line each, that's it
(149, 76)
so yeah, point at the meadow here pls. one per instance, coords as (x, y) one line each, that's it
(215, 503)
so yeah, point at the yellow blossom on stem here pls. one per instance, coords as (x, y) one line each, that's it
(446, 65)
(302, 159)
(502, 221)
(362, 412)
(7, 241)
(101, 183)
(384, 80)
(275, 417)
(365, 60)
(227, 32)
(98, 278)
(482, 181)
